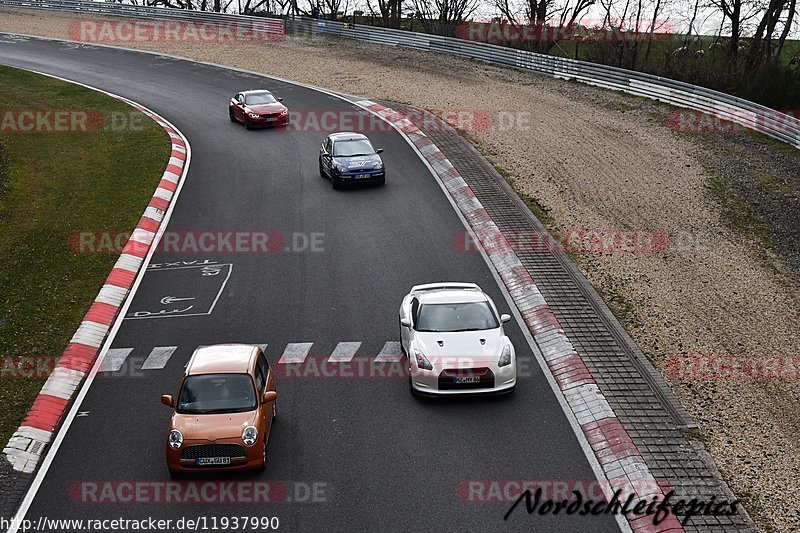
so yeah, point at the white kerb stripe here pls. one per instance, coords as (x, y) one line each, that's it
(90, 333)
(128, 262)
(344, 352)
(295, 352)
(163, 193)
(34, 433)
(390, 352)
(175, 161)
(153, 213)
(61, 385)
(143, 236)
(111, 295)
(170, 176)
(158, 357)
(114, 359)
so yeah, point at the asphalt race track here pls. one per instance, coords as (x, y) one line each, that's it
(381, 459)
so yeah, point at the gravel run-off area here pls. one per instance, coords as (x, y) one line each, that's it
(599, 160)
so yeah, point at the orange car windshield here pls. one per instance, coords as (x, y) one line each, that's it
(217, 393)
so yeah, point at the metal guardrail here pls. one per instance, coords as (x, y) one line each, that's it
(261, 25)
(734, 109)
(724, 106)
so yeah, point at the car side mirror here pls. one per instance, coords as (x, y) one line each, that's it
(379, 151)
(405, 322)
(269, 396)
(280, 99)
(505, 318)
(167, 400)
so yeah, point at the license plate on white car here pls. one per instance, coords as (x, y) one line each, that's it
(467, 379)
(208, 461)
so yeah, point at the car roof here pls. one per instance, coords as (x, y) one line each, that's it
(255, 91)
(221, 359)
(346, 136)
(449, 296)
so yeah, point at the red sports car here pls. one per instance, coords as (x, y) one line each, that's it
(258, 108)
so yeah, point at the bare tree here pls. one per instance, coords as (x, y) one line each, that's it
(441, 16)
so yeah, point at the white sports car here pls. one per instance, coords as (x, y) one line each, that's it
(454, 342)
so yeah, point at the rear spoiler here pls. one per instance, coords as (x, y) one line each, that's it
(444, 286)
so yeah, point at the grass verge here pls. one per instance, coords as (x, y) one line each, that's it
(52, 184)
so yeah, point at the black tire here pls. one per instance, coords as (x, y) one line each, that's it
(231, 115)
(336, 182)
(381, 182)
(247, 124)
(175, 475)
(321, 171)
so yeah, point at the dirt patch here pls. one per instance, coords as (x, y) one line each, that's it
(595, 159)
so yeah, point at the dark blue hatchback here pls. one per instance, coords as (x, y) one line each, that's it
(350, 158)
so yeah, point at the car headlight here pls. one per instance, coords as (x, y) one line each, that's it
(249, 435)
(175, 439)
(422, 361)
(505, 357)
(340, 168)
(285, 111)
(253, 115)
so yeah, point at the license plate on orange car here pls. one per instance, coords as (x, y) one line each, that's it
(467, 379)
(207, 461)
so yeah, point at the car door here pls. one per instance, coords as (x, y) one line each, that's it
(239, 107)
(267, 383)
(325, 152)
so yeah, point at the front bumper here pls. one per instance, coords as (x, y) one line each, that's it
(269, 122)
(440, 382)
(242, 457)
(358, 177)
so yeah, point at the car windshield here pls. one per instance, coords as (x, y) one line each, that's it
(259, 99)
(217, 393)
(471, 316)
(352, 148)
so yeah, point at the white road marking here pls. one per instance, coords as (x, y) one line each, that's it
(344, 352)
(114, 359)
(295, 352)
(158, 357)
(390, 352)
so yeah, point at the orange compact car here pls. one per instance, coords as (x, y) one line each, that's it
(223, 412)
